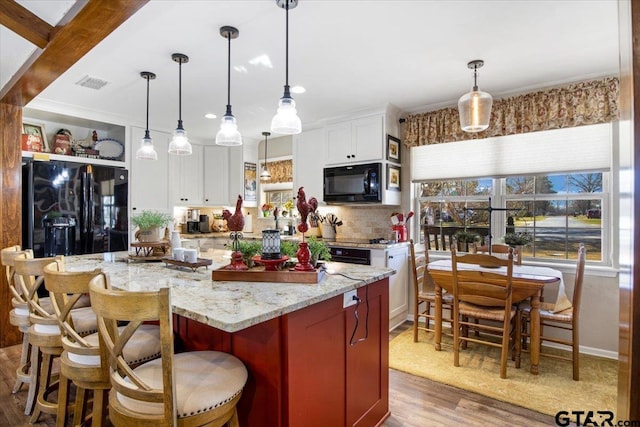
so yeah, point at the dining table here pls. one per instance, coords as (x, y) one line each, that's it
(528, 283)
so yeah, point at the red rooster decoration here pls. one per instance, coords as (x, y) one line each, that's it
(235, 222)
(305, 208)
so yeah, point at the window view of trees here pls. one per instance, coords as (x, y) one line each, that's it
(558, 211)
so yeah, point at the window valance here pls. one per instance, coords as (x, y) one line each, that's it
(281, 171)
(578, 104)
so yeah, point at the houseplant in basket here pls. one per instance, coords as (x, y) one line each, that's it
(319, 250)
(518, 239)
(465, 237)
(151, 225)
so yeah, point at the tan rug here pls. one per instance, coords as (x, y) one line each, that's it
(551, 391)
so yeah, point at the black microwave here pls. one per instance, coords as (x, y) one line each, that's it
(353, 184)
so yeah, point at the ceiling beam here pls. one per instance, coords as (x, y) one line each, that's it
(24, 23)
(82, 28)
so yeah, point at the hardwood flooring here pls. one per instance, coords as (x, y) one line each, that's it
(414, 402)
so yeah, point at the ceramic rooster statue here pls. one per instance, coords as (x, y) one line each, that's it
(235, 222)
(305, 208)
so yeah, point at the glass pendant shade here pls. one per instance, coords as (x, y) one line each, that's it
(228, 134)
(475, 111)
(286, 120)
(146, 150)
(265, 175)
(179, 144)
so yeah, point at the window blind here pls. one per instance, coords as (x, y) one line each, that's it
(583, 148)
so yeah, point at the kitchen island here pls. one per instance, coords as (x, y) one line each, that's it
(311, 360)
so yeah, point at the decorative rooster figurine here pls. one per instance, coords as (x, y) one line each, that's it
(305, 208)
(235, 222)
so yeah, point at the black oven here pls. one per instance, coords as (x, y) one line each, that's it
(353, 184)
(350, 255)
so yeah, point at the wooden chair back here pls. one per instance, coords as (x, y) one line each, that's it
(8, 257)
(30, 277)
(66, 289)
(577, 285)
(500, 249)
(135, 308)
(482, 287)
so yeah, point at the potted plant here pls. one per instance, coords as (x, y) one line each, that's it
(464, 237)
(319, 250)
(518, 239)
(288, 248)
(249, 249)
(151, 225)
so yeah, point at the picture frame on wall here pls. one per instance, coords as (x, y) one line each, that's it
(393, 149)
(250, 182)
(393, 177)
(34, 137)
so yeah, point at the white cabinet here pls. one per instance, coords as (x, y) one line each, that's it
(148, 178)
(308, 162)
(398, 259)
(216, 176)
(186, 178)
(359, 140)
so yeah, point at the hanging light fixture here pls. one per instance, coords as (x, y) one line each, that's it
(179, 144)
(475, 107)
(228, 133)
(265, 175)
(146, 150)
(286, 120)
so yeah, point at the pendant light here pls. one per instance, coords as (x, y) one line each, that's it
(286, 120)
(228, 134)
(475, 107)
(265, 175)
(146, 150)
(179, 144)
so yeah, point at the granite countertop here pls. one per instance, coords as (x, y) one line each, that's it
(229, 306)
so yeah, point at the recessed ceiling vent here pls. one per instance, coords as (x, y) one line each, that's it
(92, 82)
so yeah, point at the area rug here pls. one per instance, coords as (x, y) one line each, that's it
(551, 391)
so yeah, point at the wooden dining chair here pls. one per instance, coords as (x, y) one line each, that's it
(187, 389)
(485, 296)
(19, 317)
(424, 293)
(500, 249)
(567, 320)
(80, 361)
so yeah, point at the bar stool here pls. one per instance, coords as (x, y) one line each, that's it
(19, 317)
(44, 333)
(80, 361)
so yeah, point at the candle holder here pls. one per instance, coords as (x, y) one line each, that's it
(304, 256)
(271, 244)
(236, 256)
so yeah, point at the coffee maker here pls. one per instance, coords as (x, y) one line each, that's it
(204, 224)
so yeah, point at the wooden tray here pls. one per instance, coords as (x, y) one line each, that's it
(201, 262)
(150, 258)
(261, 275)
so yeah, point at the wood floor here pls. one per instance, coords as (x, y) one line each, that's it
(414, 402)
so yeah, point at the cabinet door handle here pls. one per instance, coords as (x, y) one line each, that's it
(390, 256)
(133, 209)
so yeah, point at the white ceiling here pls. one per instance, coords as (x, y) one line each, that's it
(350, 55)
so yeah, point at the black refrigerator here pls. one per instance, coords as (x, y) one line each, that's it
(73, 208)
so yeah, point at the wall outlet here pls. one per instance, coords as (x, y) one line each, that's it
(348, 298)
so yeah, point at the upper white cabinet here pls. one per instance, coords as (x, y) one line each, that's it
(186, 178)
(148, 178)
(216, 176)
(355, 141)
(309, 158)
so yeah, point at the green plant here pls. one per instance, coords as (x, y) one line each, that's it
(249, 249)
(151, 219)
(288, 248)
(465, 236)
(518, 239)
(319, 250)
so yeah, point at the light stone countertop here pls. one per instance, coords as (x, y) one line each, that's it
(228, 306)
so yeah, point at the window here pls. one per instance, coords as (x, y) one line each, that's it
(277, 198)
(558, 211)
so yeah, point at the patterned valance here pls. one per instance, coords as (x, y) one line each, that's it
(281, 171)
(583, 103)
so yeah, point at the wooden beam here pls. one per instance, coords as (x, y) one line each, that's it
(24, 23)
(93, 20)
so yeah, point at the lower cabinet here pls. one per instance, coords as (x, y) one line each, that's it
(318, 366)
(398, 259)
